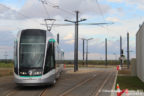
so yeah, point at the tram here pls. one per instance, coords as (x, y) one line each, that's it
(38, 58)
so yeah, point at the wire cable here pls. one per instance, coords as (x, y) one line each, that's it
(101, 12)
(17, 12)
(43, 4)
(57, 7)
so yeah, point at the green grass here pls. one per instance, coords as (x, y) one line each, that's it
(6, 65)
(130, 83)
(95, 62)
(125, 72)
(90, 66)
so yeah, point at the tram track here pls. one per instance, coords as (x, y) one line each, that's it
(78, 85)
(43, 93)
(95, 92)
(11, 93)
(75, 84)
(103, 84)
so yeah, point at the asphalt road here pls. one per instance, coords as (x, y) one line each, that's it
(86, 82)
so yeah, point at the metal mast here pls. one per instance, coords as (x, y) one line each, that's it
(106, 51)
(76, 40)
(128, 61)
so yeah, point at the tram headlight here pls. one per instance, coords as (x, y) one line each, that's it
(37, 73)
(23, 73)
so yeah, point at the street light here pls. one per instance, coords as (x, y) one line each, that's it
(76, 40)
(83, 39)
(82, 20)
(69, 21)
(75, 21)
(87, 50)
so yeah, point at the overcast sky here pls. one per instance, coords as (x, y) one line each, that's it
(126, 15)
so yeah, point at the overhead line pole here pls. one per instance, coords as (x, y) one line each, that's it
(120, 50)
(106, 51)
(83, 49)
(83, 52)
(128, 56)
(76, 43)
(76, 40)
(87, 51)
(87, 54)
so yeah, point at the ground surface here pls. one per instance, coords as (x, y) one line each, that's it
(85, 82)
(6, 71)
(130, 82)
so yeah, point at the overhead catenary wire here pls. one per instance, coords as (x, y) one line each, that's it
(80, 24)
(57, 7)
(18, 12)
(43, 4)
(101, 12)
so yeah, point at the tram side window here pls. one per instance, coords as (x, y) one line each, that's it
(50, 58)
(53, 55)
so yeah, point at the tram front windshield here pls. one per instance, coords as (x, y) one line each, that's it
(32, 48)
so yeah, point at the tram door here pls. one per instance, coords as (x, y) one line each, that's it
(50, 57)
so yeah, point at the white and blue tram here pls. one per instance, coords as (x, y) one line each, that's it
(38, 59)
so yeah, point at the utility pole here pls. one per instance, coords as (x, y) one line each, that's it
(87, 54)
(121, 51)
(76, 40)
(83, 52)
(83, 49)
(106, 51)
(87, 51)
(128, 61)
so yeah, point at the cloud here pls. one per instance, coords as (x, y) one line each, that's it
(138, 3)
(34, 12)
(9, 13)
(6, 13)
(69, 39)
(2, 9)
(6, 38)
(112, 33)
(118, 1)
(68, 36)
(6, 44)
(96, 46)
(65, 8)
(112, 19)
(69, 42)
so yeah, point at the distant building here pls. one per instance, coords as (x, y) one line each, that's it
(140, 52)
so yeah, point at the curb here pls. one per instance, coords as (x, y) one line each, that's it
(113, 88)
